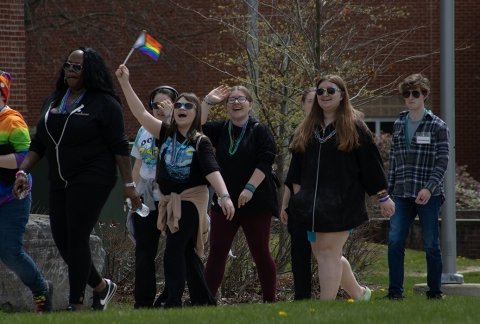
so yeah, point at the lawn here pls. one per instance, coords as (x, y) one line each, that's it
(414, 309)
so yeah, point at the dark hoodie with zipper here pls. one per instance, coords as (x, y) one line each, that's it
(81, 146)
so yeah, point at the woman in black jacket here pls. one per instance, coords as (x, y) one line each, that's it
(81, 133)
(334, 163)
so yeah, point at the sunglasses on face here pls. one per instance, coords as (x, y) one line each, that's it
(414, 93)
(329, 90)
(184, 105)
(240, 99)
(72, 67)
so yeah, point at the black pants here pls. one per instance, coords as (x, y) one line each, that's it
(74, 211)
(146, 237)
(301, 252)
(182, 263)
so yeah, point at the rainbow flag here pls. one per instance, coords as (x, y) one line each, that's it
(148, 45)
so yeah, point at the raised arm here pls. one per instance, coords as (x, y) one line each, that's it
(149, 122)
(213, 98)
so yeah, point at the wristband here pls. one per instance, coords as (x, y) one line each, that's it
(130, 184)
(21, 172)
(207, 101)
(384, 199)
(250, 187)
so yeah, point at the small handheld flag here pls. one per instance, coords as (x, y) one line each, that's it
(146, 44)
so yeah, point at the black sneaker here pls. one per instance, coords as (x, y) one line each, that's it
(161, 299)
(43, 300)
(394, 296)
(438, 296)
(100, 300)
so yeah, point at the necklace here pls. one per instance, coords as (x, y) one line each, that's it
(173, 158)
(63, 109)
(235, 143)
(324, 138)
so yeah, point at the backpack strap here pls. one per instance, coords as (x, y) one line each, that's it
(199, 138)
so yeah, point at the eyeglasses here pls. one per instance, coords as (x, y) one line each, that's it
(415, 93)
(329, 90)
(240, 99)
(72, 67)
(184, 105)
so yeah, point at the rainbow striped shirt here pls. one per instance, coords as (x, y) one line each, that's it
(14, 138)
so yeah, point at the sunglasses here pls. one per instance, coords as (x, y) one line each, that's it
(72, 67)
(240, 99)
(184, 105)
(415, 93)
(329, 90)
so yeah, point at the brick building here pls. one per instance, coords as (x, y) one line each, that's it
(36, 36)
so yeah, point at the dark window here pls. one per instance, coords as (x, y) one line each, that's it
(371, 126)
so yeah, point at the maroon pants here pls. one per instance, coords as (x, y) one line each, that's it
(257, 233)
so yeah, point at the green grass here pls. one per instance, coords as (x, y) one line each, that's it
(414, 309)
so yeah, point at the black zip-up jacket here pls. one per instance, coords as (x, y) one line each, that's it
(93, 133)
(343, 180)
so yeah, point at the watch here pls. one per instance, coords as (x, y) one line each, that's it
(130, 184)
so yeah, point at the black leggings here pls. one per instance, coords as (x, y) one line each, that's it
(147, 237)
(74, 211)
(301, 252)
(182, 263)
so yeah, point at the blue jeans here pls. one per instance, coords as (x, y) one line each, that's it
(13, 219)
(405, 212)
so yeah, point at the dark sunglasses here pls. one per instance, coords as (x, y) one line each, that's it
(184, 105)
(72, 67)
(415, 93)
(329, 90)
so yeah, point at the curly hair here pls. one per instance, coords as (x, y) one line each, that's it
(413, 82)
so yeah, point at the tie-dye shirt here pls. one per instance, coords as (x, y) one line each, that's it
(14, 136)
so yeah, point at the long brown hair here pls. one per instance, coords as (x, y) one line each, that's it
(346, 117)
(196, 126)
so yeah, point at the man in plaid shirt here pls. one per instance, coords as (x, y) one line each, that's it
(418, 161)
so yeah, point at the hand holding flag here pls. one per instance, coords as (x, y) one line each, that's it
(146, 44)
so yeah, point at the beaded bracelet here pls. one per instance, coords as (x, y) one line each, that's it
(250, 187)
(384, 199)
(207, 101)
(21, 172)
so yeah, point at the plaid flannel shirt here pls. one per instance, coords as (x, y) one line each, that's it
(420, 165)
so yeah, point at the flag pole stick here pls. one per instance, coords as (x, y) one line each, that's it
(128, 56)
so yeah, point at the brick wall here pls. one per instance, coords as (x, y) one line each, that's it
(113, 34)
(111, 27)
(12, 51)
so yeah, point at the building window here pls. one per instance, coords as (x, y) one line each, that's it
(380, 125)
